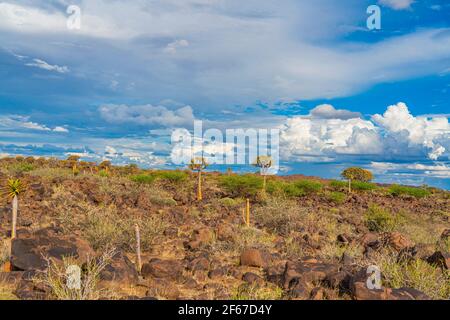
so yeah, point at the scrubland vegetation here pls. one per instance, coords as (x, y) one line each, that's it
(194, 246)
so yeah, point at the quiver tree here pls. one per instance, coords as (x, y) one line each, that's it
(72, 162)
(105, 165)
(14, 188)
(198, 164)
(356, 174)
(264, 163)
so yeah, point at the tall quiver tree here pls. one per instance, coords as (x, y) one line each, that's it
(264, 163)
(199, 164)
(358, 174)
(72, 161)
(14, 188)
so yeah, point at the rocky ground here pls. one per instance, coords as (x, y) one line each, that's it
(314, 245)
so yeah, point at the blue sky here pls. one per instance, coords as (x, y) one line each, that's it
(341, 94)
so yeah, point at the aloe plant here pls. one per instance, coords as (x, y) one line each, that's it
(199, 164)
(14, 188)
(264, 163)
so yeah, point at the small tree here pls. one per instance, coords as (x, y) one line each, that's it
(105, 165)
(358, 174)
(264, 163)
(198, 164)
(14, 188)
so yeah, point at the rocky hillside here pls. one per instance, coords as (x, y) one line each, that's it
(305, 239)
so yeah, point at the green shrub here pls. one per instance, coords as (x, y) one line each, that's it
(397, 190)
(337, 197)
(21, 167)
(172, 176)
(143, 178)
(380, 220)
(163, 201)
(230, 202)
(363, 186)
(103, 173)
(242, 185)
(309, 186)
(338, 185)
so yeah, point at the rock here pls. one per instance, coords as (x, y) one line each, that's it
(347, 260)
(190, 283)
(171, 232)
(360, 291)
(420, 251)
(343, 239)
(445, 234)
(29, 253)
(310, 272)
(254, 258)
(200, 237)
(217, 273)
(157, 268)
(339, 280)
(398, 241)
(197, 264)
(441, 259)
(317, 294)
(120, 270)
(252, 278)
(370, 240)
(225, 232)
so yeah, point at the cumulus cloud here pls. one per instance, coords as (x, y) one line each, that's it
(400, 127)
(397, 4)
(327, 111)
(395, 134)
(173, 46)
(219, 44)
(41, 64)
(147, 115)
(17, 122)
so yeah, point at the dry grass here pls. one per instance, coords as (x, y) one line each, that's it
(56, 278)
(416, 274)
(254, 292)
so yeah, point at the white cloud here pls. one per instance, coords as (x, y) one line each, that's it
(402, 128)
(60, 129)
(395, 134)
(232, 53)
(147, 115)
(17, 122)
(41, 64)
(327, 111)
(173, 46)
(397, 4)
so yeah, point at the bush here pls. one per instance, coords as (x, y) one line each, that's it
(363, 186)
(397, 190)
(171, 176)
(103, 173)
(21, 167)
(380, 220)
(417, 274)
(230, 202)
(338, 185)
(336, 197)
(309, 186)
(143, 178)
(242, 185)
